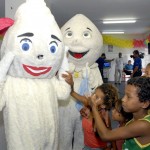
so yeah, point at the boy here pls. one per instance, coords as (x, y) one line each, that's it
(137, 131)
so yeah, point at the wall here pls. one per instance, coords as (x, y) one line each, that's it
(11, 7)
(2, 8)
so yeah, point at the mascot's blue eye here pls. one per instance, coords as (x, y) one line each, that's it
(26, 44)
(53, 47)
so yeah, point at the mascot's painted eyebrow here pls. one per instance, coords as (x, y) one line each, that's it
(55, 37)
(26, 34)
(67, 29)
(89, 29)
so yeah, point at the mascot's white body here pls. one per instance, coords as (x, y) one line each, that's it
(32, 52)
(84, 42)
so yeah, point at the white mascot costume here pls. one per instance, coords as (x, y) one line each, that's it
(32, 52)
(85, 42)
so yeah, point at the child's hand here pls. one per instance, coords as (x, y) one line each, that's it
(94, 102)
(85, 112)
(68, 78)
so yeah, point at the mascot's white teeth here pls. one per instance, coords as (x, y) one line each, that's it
(78, 55)
(36, 71)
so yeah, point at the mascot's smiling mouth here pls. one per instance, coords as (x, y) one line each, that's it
(77, 55)
(36, 71)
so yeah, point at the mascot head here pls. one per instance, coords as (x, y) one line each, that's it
(36, 41)
(83, 39)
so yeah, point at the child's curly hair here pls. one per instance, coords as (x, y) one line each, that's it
(111, 94)
(143, 87)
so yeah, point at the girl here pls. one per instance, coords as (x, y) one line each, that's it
(107, 94)
(137, 131)
(147, 70)
(118, 114)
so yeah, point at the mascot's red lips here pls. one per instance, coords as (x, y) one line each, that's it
(36, 71)
(77, 55)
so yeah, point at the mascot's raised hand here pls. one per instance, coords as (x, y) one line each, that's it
(5, 64)
(65, 65)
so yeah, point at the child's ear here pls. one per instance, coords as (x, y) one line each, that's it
(146, 104)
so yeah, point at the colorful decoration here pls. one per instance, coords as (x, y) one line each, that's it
(124, 43)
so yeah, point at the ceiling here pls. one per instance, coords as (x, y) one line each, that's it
(97, 10)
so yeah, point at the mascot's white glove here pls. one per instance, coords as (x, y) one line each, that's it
(5, 65)
(86, 71)
(64, 66)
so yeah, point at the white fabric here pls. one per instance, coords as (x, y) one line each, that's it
(32, 53)
(81, 36)
(31, 112)
(119, 63)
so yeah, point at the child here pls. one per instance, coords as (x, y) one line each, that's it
(107, 94)
(147, 70)
(137, 131)
(118, 114)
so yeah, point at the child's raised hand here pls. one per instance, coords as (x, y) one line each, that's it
(94, 102)
(68, 78)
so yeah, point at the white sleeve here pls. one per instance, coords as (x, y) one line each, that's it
(95, 78)
(62, 89)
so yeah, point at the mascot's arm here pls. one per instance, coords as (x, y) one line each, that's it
(93, 75)
(63, 89)
(95, 78)
(4, 67)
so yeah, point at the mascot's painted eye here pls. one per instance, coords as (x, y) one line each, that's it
(26, 44)
(87, 34)
(69, 34)
(53, 47)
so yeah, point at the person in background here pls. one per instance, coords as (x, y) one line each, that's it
(118, 68)
(128, 68)
(122, 117)
(137, 65)
(100, 61)
(137, 131)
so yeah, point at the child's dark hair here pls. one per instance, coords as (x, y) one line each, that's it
(118, 106)
(110, 94)
(143, 87)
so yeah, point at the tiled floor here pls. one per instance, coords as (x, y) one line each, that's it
(121, 88)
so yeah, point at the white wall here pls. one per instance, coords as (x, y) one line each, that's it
(11, 7)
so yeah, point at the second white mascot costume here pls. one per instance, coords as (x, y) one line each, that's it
(85, 42)
(31, 54)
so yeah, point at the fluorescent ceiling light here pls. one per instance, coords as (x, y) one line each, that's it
(118, 21)
(113, 32)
